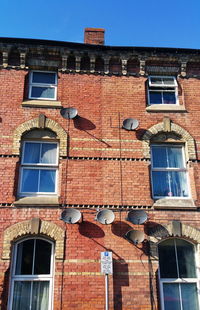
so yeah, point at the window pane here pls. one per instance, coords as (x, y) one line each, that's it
(42, 257)
(40, 295)
(21, 295)
(171, 297)
(155, 97)
(47, 180)
(186, 259)
(29, 180)
(189, 296)
(161, 185)
(31, 153)
(168, 81)
(24, 263)
(49, 153)
(43, 92)
(178, 184)
(156, 80)
(169, 98)
(43, 77)
(169, 183)
(167, 259)
(167, 157)
(159, 154)
(174, 157)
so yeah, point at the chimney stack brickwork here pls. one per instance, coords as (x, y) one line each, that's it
(94, 36)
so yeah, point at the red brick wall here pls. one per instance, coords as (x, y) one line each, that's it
(103, 102)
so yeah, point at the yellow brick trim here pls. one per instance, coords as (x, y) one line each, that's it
(85, 273)
(102, 149)
(34, 123)
(86, 261)
(23, 229)
(159, 128)
(106, 140)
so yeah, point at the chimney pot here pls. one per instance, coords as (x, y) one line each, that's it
(94, 36)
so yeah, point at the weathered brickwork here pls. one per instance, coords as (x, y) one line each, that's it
(101, 166)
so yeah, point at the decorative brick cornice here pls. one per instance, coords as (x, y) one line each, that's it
(33, 228)
(54, 55)
(36, 123)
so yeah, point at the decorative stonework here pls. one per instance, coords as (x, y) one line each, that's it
(36, 123)
(173, 229)
(159, 130)
(30, 228)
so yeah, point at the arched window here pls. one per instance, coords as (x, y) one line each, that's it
(39, 163)
(178, 275)
(32, 272)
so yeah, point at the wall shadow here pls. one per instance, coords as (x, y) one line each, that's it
(4, 290)
(155, 229)
(90, 230)
(86, 125)
(82, 123)
(120, 279)
(16, 179)
(120, 228)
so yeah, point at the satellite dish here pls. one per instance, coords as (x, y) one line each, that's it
(71, 216)
(137, 217)
(105, 217)
(130, 124)
(135, 236)
(69, 113)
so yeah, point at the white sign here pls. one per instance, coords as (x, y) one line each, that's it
(106, 263)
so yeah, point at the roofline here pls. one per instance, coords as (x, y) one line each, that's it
(28, 41)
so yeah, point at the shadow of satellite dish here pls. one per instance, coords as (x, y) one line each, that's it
(120, 228)
(156, 230)
(82, 123)
(91, 230)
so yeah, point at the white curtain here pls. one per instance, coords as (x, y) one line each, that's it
(31, 295)
(48, 154)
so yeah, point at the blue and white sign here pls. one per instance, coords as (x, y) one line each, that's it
(106, 263)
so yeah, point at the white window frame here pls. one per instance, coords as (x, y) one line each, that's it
(38, 166)
(171, 169)
(181, 280)
(32, 84)
(164, 88)
(44, 277)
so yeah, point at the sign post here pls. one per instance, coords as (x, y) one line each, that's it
(106, 268)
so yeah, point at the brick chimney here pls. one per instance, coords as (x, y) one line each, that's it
(94, 36)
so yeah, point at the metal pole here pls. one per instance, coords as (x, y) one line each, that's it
(106, 292)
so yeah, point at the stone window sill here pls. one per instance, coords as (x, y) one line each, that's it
(42, 103)
(37, 201)
(166, 108)
(178, 203)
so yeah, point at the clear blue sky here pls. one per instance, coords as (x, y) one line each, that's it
(169, 23)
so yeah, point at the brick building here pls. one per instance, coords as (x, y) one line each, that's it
(50, 164)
